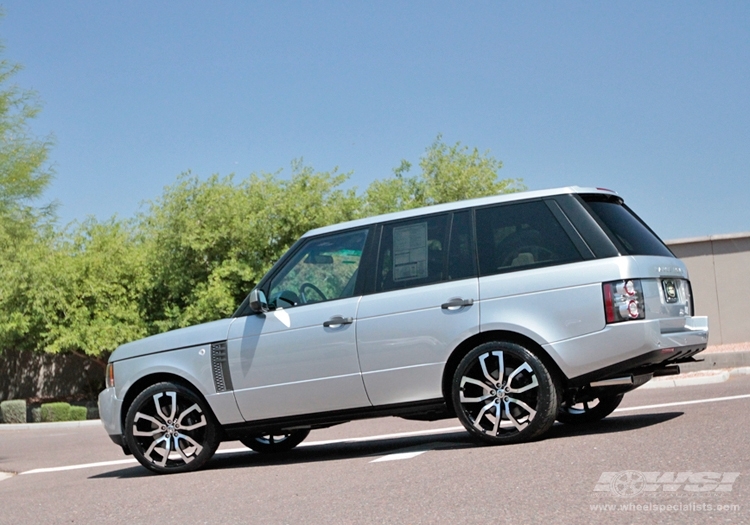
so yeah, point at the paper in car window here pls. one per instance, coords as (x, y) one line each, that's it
(410, 252)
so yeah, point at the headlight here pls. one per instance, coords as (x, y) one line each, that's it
(109, 375)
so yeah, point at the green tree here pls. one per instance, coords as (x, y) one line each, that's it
(26, 230)
(89, 290)
(24, 172)
(209, 242)
(448, 173)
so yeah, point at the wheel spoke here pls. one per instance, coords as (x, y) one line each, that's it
(164, 452)
(154, 421)
(498, 416)
(480, 415)
(523, 368)
(500, 370)
(173, 411)
(199, 424)
(190, 452)
(478, 383)
(524, 421)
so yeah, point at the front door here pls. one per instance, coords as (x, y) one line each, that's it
(301, 357)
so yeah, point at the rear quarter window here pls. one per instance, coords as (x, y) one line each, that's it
(512, 237)
(625, 229)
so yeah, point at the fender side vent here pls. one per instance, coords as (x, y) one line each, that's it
(220, 367)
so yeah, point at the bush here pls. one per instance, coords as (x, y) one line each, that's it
(55, 412)
(36, 415)
(14, 411)
(77, 413)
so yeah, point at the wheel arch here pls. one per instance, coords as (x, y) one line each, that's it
(151, 379)
(497, 335)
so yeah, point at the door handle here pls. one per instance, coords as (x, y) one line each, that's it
(337, 320)
(456, 303)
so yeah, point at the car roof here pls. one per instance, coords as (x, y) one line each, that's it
(450, 206)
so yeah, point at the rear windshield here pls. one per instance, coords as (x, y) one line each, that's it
(627, 231)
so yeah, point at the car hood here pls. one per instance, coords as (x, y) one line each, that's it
(180, 338)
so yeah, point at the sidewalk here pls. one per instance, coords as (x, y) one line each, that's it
(720, 357)
(718, 364)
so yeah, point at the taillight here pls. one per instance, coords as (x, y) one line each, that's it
(623, 301)
(109, 376)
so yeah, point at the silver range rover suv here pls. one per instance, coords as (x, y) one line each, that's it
(507, 312)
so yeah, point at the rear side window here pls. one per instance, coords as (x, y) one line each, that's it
(521, 236)
(413, 253)
(626, 230)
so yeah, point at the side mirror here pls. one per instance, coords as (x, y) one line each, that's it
(257, 301)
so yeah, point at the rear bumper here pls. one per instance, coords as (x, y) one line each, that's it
(635, 346)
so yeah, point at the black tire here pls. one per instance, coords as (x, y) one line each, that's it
(275, 443)
(588, 411)
(524, 396)
(169, 429)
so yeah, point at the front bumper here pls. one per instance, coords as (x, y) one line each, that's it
(109, 412)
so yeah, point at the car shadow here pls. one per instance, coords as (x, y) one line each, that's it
(611, 425)
(343, 450)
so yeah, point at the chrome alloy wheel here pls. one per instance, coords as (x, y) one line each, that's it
(276, 442)
(169, 430)
(589, 410)
(503, 393)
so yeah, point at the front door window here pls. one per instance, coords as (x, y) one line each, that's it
(324, 269)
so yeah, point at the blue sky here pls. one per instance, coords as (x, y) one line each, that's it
(651, 99)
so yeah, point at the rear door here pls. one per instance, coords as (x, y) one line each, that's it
(422, 307)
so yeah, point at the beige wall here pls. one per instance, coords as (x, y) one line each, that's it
(719, 269)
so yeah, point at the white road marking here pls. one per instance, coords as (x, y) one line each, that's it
(6, 475)
(403, 455)
(76, 467)
(680, 403)
(398, 456)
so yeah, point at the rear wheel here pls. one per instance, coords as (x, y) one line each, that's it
(274, 443)
(503, 393)
(169, 428)
(588, 411)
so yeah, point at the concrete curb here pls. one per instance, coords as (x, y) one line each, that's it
(707, 378)
(718, 360)
(60, 424)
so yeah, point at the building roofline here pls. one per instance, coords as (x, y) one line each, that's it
(710, 238)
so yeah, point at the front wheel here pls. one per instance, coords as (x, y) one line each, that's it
(169, 428)
(275, 443)
(503, 393)
(588, 411)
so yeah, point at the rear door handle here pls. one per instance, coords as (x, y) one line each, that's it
(337, 320)
(456, 303)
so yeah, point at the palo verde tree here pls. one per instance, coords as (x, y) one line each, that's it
(25, 228)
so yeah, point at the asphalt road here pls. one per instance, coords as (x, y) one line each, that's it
(681, 463)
